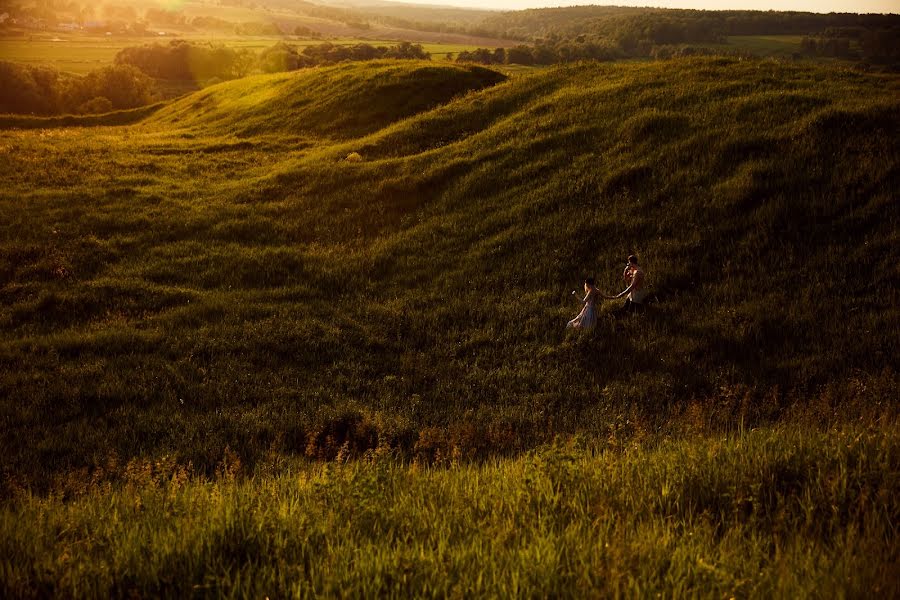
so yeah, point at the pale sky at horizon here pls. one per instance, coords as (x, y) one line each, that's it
(819, 6)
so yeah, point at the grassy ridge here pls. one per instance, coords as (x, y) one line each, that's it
(119, 117)
(770, 513)
(340, 102)
(225, 279)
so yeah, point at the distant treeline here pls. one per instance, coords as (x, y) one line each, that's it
(284, 57)
(662, 39)
(182, 60)
(600, 32)
(43, 91)
(632, 26)
(542, 54)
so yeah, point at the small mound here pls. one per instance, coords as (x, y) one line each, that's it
(344, 101)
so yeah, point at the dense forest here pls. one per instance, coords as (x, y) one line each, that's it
(557, 35)
(670, 25)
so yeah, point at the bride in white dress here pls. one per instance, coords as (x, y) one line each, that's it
(587, 318)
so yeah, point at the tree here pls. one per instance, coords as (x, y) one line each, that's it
(28, 90)
(520, 55)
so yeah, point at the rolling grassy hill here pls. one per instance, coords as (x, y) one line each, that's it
(343, 102)
(216, 285)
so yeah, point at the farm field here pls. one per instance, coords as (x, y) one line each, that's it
(234, 362)
(767, 45)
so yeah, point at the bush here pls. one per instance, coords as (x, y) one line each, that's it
(278, 58)
(41, 91)
(121, 86)
(282, 57)
(184, 61)
(95, 106)
(28, 90)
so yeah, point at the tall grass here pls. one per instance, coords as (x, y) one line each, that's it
(779, 512)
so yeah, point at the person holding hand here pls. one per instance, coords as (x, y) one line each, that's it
(636, 292)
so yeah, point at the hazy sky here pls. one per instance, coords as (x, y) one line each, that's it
(822, 6)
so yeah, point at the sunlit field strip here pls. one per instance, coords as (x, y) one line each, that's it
(79, 55)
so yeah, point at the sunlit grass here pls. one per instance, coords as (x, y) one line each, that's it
(216, 283)
(709, 516)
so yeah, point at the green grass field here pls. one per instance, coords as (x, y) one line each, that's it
(765, 45)
(234, 363)
(768, 514)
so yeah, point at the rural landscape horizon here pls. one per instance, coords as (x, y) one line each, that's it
(371, 299)
(814, 6)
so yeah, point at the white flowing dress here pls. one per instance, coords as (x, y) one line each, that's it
(587, 318)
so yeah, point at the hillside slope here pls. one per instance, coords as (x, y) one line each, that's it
(344, 101)
(204, 280)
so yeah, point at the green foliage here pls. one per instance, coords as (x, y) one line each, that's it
(283, 57)
(41, 91)
(632, 27)
(183, 60)
(605, 33)
(783, 512)
(28, 90)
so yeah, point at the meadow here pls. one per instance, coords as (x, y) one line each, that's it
(228, 349)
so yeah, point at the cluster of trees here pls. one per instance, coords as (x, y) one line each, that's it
(838, 47)
(182, 60)
(879, 46)
(284, 57)
(43, 91)
(667, 26)
(605, 32)
(543, 53)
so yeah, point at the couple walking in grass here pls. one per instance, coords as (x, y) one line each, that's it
(635, 292)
